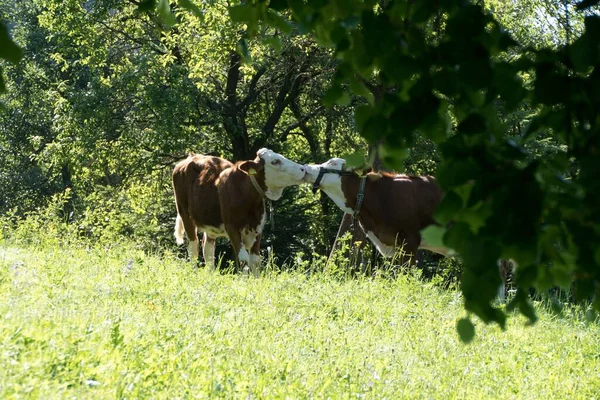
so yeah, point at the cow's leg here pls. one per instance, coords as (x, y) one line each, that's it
(409, 245)
(190, 231)
(208, 251)
(255, 257)
(240, 253)
(505, 267)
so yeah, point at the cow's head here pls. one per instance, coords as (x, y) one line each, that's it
(279, 172)
(328, 178)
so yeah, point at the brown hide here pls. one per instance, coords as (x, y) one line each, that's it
(196, 195)
(242, 207)
(395, 207)
(211, 193)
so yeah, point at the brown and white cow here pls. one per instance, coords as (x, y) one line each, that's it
(219, 198)
(394, 209)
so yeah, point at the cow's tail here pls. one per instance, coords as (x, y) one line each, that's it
(179, 229)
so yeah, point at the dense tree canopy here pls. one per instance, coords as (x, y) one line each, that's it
(498, 98)
(445, 65)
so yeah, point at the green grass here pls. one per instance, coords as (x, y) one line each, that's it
(118, 323)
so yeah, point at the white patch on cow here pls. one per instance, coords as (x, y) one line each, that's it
(263, 221)
(193, 250)
(279, 173)
(312, 170)
(208, 251)
(243, 256)
(331, 184)
(179, 230)
(384, 249)
(249, 237)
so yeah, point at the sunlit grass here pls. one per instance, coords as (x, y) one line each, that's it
(113, 323)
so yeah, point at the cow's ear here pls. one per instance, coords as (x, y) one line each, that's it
(250, 167)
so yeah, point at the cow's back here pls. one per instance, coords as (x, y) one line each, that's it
(428, 196)
(194, 184)
(400, 204)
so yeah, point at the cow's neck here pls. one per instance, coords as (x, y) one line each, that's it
(350, 186)
(343, 191)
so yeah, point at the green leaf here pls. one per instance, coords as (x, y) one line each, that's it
(146, 5)
(551, 87)
(436, 125)
(242, 48)
(359, 88)
(240, 13)
(164, 10)
(273, 41)
(400, 68)
(422, 11)
(188, 5)
(475, 123)
(375, 128)
(278, 5)
(508, 85)
(275, 20)
(8, 49)
(458, 236)
(477, 215)
(336, 95)
(466, 330)
(2, 84)
(362, 114)
(584, 51)
(393, 156)
(433, 235)
(450, 206)
(457, 172)
(354, 160)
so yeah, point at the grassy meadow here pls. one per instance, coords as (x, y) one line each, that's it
(108, 323)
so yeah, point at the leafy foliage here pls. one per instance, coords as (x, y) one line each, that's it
(500, 104)
(107, 98)
(502, 203)
(8, 50)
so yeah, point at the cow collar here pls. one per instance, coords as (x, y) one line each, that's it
(323, 171)
(361, 188)
(360, 195)
(260, 190)
(262, 193)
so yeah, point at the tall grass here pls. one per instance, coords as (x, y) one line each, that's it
(120, 323)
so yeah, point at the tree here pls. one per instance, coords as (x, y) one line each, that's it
(106, 98)
(502, 203)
